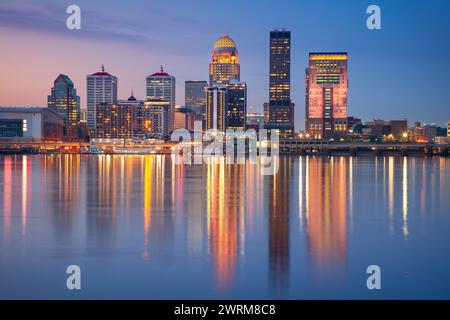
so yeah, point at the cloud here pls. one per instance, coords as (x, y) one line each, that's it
(136, 28)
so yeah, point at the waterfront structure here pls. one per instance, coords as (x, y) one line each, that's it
(63, 99)
(216, 100)
(101, 88)
(195, 95)
(280, 113)
(156, 118)
(184, 118)
(114, 121)
(161, 85)
(30, 123)
(224, 65)
(236, 105)
(422, 133)
(326, 95)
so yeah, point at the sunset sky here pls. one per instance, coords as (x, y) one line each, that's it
(400, 71)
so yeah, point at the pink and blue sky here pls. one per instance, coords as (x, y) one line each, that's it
(400, 71)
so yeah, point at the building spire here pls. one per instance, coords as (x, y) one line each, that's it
(162, 69)
(132, 92)
(103, 68)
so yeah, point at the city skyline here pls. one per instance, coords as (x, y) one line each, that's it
(380, 71)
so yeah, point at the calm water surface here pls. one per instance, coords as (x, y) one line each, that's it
(144, 227)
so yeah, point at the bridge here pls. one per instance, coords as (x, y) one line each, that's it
(304, 146)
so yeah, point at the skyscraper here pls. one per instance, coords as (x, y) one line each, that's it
(326, 95)
(224, 64)
(281, 109)
(236, 105)
(195, 96)
(161, 85)
(101, 88)
(155, 118)
(216, 100)
(64, 100)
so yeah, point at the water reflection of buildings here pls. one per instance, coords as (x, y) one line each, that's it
(61, 178)
(225, 205)
(326, 212)
(279, 197)
(159, 205)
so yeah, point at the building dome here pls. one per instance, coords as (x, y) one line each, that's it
(224, 51)
(224, 42)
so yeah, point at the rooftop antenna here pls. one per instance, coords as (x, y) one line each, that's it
(103, 68)
(162, 69)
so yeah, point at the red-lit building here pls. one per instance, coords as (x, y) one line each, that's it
(326, 95)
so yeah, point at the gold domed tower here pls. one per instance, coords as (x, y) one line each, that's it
(224, 65)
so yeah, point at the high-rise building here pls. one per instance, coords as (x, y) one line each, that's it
(216, 101)
(155, 118)
(224, 64)
(448, 128)
(236, 105)
(326, 95)
(114, 121)
(101, 88)
(184, 118)
(195, 96)
(64, 100)
(281, 108)
(161, 85)
(138, 107)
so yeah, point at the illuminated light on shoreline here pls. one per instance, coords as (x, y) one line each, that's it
(405, 197)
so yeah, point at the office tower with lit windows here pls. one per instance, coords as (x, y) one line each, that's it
(236, 105)
(224, 64)
(281, 108)
(156, 118)
(326, 95)
(161, 85)
(101, 88)
(216, 102)
(195, 96)
(64, 100)
(138, 106)
(114, 121)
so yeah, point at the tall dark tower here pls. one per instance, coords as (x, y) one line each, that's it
(281, 108)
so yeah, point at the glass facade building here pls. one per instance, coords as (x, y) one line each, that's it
(64, 100)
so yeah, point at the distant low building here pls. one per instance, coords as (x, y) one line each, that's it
(31, 123)
(399, 129)
(184, 118)
(421, 133)
(255, 120)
